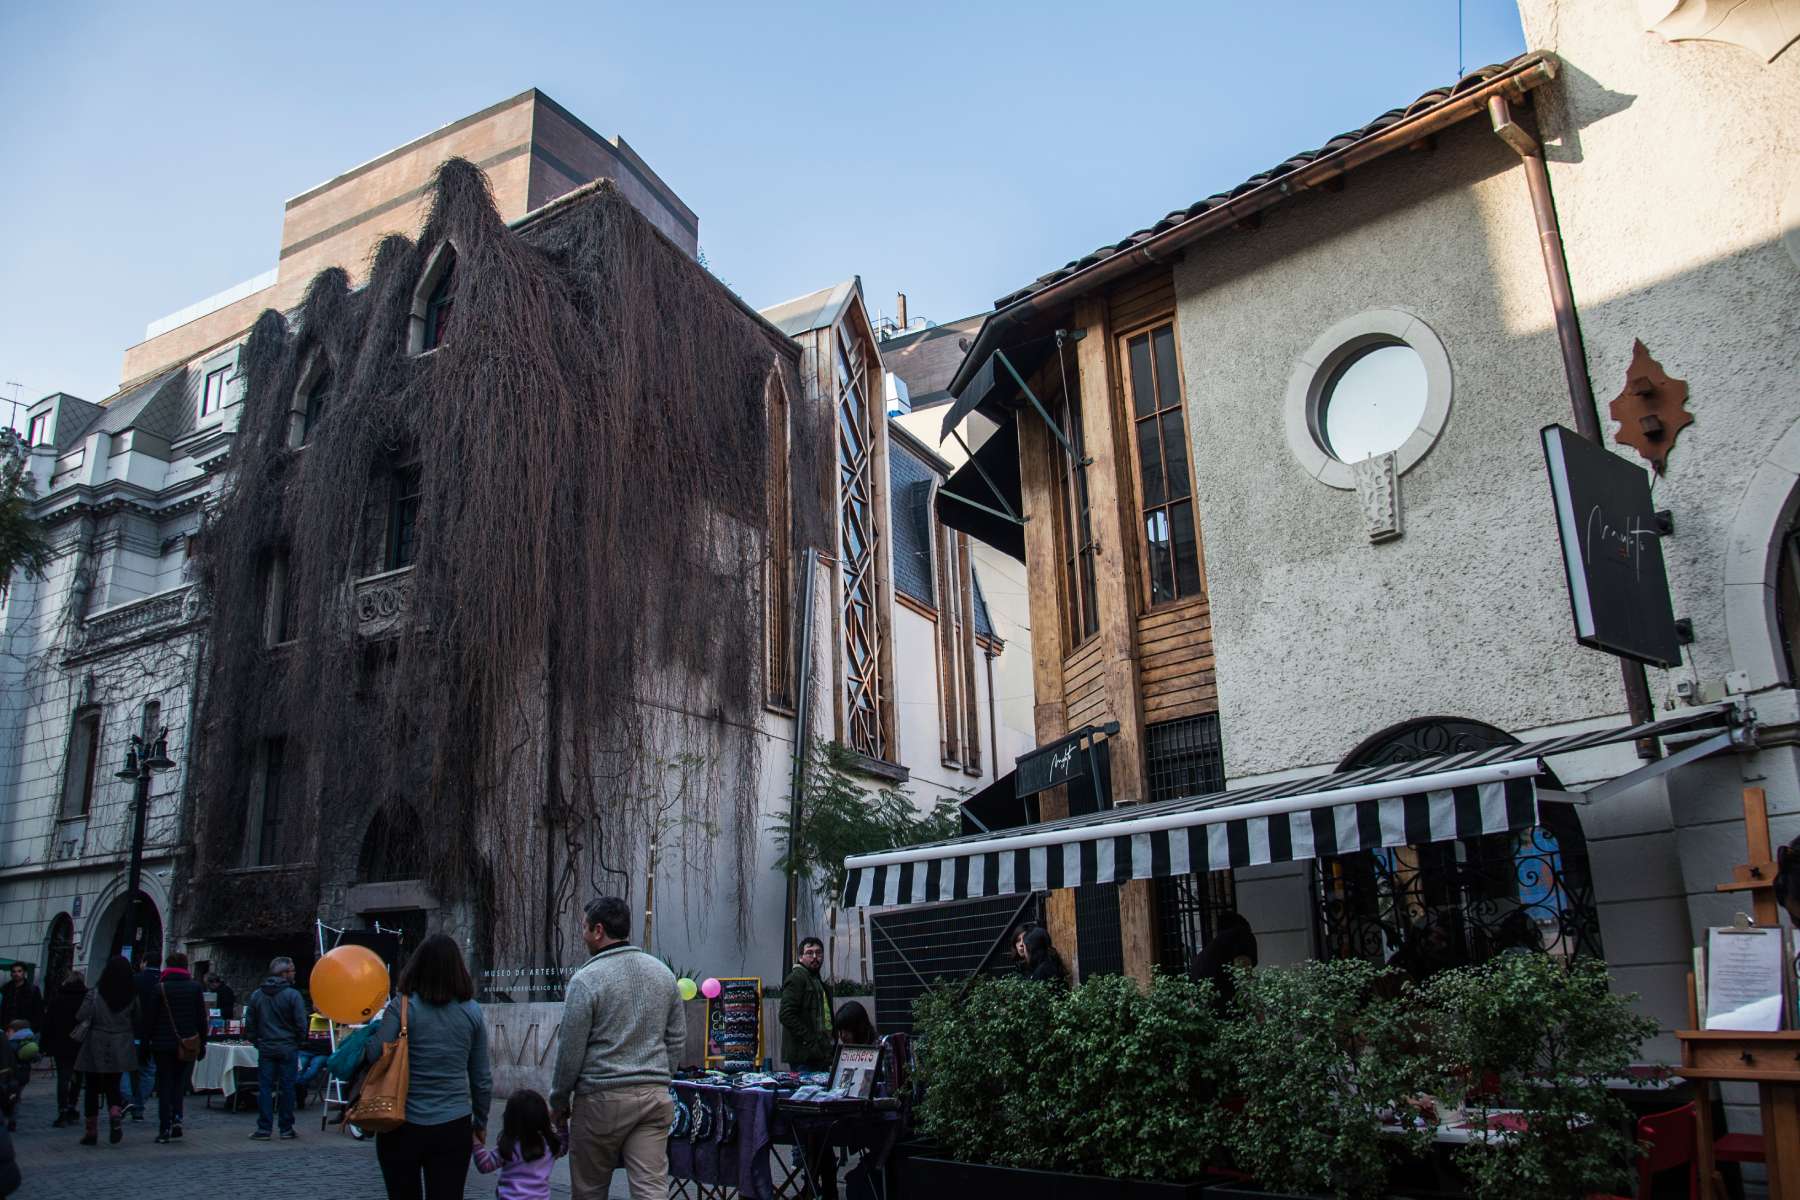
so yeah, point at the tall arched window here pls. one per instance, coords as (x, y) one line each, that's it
(1425, 907)
(434, 301)
(59, 953)
(865, 729)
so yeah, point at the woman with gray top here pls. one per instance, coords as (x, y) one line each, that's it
(448, 1085)
(109, 1048)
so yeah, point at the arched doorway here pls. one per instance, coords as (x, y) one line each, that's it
(1439, 904)
(143, 932)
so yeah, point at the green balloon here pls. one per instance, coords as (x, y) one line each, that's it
(688, 988)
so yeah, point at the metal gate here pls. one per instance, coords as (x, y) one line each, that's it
(913, 949)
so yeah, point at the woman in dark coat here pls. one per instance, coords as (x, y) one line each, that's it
(1042, 963)
(59, 1043)
(1233, 944)
(110, 1048)
(178, 1011)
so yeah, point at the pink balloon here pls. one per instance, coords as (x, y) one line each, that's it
(711, 989)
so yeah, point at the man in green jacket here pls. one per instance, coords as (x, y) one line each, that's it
(806, 1011)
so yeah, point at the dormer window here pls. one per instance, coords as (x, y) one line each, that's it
(38, 432)
(434, 302)
(212, 392)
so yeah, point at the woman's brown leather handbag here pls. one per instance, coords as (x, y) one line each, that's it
(382, 1106)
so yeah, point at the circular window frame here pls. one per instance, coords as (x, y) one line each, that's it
(1319, 366)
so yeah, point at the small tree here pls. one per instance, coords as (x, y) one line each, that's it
(1550, 1035)
(840, 817)
(23, 545)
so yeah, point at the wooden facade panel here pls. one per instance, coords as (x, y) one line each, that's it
(1195, 694)
(1187, 614)
(1081, 667)
(1200, 665)
(1090, 710)
(1142, 300)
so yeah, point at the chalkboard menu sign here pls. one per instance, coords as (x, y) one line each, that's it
(734, 1040)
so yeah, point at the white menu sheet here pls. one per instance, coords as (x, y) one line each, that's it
(1743, 979)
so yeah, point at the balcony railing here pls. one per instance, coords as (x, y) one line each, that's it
(138, 619)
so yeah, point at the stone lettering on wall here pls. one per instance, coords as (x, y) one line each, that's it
(522, 1044)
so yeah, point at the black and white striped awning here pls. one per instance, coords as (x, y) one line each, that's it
(1427, 800)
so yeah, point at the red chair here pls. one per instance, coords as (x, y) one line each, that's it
(1670, 1139)
(1740, 1148)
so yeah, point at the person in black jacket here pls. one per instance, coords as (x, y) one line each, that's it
(140, 1084)
(59, 1043)
(177, 1010)
(1233, 944)
(1043, 964)
(20, 999)
(227, 999)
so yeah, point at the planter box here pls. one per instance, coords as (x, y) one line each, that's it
(923, 1178)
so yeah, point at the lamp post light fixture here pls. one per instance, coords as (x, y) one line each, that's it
(142, 760)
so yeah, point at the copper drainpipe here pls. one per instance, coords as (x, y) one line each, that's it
(1574, 356)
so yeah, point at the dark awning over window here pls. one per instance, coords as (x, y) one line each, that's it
(1457, 796)
(979, 505)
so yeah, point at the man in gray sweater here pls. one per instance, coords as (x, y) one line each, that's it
(622, 1036)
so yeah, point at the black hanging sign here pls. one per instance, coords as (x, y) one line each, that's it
(1612, 551)
(1059, 762)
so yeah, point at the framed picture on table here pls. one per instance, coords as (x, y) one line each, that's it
(853, 1071)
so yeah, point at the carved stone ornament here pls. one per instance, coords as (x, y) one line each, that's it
(1378, 490)
(1763, 27)
(1652, 410)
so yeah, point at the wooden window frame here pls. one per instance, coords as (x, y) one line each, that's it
(37, 429)
(1140, 509)
(959, 706)
(84, 759)
(858, 415)
(778, 565)
(213, 399)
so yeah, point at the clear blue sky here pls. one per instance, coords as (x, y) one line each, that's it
(950, 151)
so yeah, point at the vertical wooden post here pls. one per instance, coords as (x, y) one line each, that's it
(1114, 517)
(1043, 576)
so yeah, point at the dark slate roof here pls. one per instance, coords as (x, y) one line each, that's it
(910, 480)
(983, 626)
(927, 359)
(1291, 163)
(153, 405)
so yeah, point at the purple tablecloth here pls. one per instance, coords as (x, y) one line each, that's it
(743, 1161)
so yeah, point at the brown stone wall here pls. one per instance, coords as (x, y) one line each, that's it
(532, 152)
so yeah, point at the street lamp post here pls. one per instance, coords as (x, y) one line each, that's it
(142, 760)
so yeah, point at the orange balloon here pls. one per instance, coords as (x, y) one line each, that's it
(349, 984)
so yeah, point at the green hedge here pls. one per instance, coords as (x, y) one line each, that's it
(1292, 1082)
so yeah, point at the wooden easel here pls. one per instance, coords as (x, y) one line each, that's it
(1769, 1060)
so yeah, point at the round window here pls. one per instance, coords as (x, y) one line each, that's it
(1373, 401)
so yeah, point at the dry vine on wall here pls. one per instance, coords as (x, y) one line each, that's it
(591, 451)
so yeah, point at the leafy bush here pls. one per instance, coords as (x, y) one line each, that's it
(981, 1058)
(1103, 1079)
(1551, 1034)
(1319, 1054)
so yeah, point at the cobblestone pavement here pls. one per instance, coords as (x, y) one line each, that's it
(215, 1157)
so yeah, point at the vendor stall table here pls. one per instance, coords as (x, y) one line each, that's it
(217, 1072)
(733, 1155)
